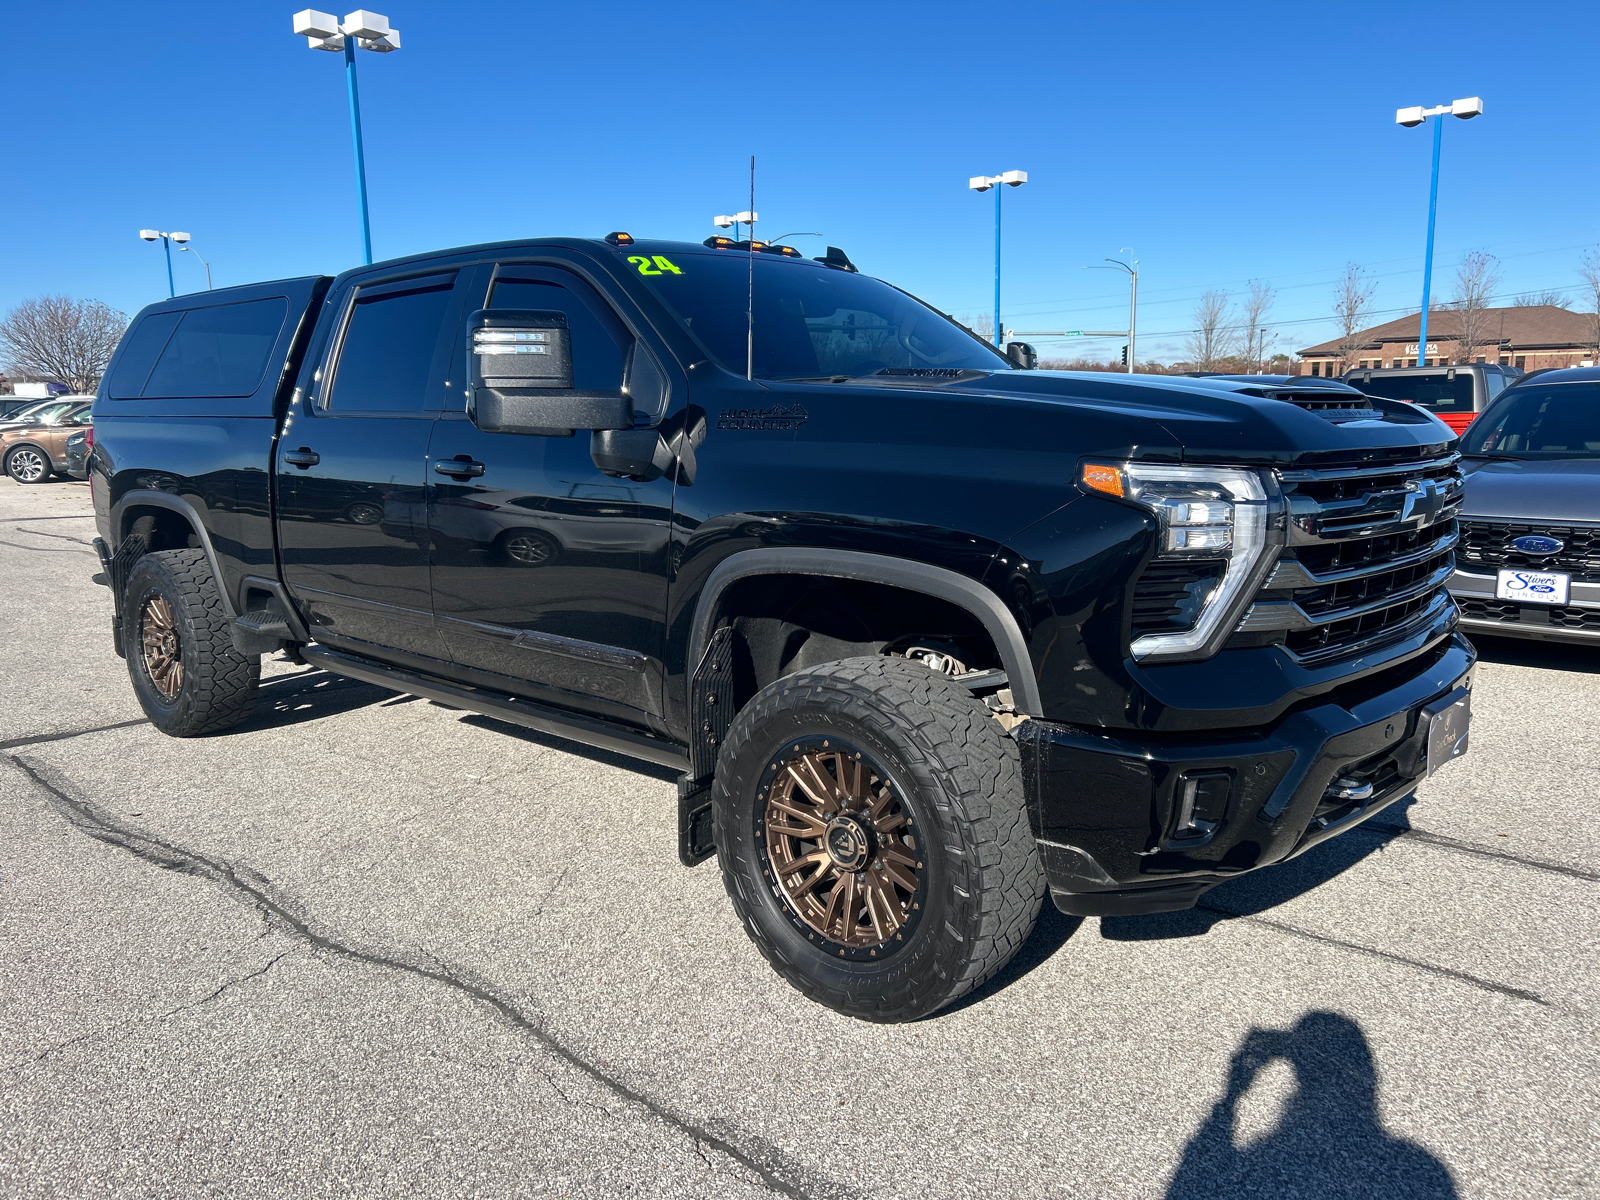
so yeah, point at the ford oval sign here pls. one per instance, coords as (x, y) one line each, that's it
(1537, 545)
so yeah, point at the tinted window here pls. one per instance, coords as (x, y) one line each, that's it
(599, 342)
(809, 320)
(219, 351)
(1436, 393)
(140, 349)
(1561, 420)
(387, 356)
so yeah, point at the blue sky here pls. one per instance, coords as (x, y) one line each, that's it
(1223, 142)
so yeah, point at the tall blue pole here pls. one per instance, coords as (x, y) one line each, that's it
(166, 244)
(1427, 266)
(355, 133)
(998, 332)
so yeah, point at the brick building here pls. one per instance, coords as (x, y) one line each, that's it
(1531, 337)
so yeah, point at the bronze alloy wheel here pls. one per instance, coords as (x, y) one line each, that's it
(163, 656)
(841, 848)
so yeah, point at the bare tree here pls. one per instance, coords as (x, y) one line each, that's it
(1476, 279)
(1536, 299)
(61, 339)
(1352, 304)
(1589, 270)
(1212, 336)
(1253, 335)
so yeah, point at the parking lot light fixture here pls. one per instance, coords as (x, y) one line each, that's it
(150, 235)
(982, 183)
(1466, 109)
(196, 254)
(370, 31)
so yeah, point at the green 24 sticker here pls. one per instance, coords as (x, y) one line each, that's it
(654, 265)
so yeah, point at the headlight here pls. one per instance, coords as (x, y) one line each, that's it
(1206, 515)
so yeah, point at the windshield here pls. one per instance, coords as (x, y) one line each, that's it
(1559, 420)
(1436, 393)
(35, 411)
(810, 321)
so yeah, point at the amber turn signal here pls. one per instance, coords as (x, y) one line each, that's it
(1101, 478)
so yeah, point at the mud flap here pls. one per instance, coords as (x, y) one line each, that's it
(710, 715)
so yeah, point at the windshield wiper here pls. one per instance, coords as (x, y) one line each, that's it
(1493, 457)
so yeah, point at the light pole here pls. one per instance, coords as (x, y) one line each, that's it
(1411, 117)
(371, 31)
(1133, 301)
(203, 263)
(740, 218)
(982, 183)
(167, 239)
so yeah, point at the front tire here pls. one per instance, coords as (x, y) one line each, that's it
(873, 836)
(28, 464)
(189, 678)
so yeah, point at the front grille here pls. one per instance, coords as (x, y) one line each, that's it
(1366, 559)
(1485, 547)
(1506, 612)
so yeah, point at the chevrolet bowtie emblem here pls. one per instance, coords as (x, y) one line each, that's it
(1423, 502)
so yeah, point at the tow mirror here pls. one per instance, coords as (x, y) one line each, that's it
(520, 373)
(1022, 356)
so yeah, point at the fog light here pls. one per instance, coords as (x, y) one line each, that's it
(1202, 803)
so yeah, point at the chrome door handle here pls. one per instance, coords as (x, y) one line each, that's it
(460, 467)
(302, 458)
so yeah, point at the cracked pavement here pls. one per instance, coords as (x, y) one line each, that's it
(365, 945)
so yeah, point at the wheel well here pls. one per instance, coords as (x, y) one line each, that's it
(162, 528)
(785, 623)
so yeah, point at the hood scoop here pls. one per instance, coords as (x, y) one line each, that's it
(1336, 406)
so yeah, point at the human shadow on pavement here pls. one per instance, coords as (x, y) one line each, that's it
(1270, 886)
(1328, 1141)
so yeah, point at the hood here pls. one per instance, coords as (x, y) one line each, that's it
(1556, 489)
(1236, 421)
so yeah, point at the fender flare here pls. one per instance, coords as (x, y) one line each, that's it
(939, 582)
(150, 498)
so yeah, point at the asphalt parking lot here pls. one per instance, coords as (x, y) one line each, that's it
(365, 945)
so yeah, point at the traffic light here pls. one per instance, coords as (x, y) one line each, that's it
(1124, 356)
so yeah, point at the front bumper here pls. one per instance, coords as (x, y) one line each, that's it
(1578, 620)
(1108, 810)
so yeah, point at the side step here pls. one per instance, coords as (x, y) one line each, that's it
(260, 632)
(591, 731)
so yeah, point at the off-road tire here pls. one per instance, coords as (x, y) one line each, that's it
(23, 464)
(954, 767)
(218, 687)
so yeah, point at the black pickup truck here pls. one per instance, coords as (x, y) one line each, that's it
(927, 632)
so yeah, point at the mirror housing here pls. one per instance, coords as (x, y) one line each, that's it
(520, 376)
(1022, 356)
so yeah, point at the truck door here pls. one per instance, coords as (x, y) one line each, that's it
(352, 515)
(550, 578)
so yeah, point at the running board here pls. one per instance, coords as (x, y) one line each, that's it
(588, 730)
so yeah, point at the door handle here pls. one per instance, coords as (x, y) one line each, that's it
(460, 467)
(302, 458)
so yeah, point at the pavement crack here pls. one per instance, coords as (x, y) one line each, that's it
(46, 549)
(61, 536)
(248, 885)
(41, 738)
(68, 517)
(1418, 964)
(1473, 848)
(232, 983)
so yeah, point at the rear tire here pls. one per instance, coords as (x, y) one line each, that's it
(28, 464)
(927, 817)
(189, 678)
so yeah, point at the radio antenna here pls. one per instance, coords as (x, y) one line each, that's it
(750, 309)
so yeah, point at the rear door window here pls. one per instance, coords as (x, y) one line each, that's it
(219, 351)
(390, 347)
